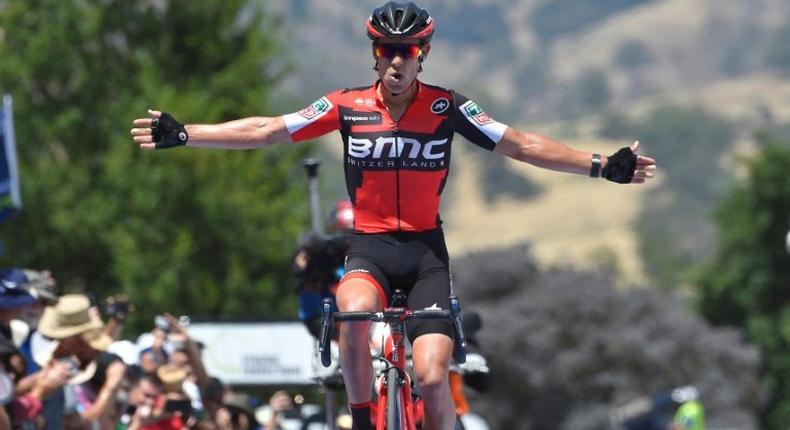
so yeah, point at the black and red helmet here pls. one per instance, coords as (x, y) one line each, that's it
(400, 20)
(341, 218)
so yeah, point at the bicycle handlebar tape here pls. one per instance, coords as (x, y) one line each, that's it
(167, 132)
(620, 166)
(459, 349)
(324, 347)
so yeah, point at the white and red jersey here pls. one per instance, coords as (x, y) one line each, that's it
(396, 171)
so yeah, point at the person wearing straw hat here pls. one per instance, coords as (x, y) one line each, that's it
(76, 327)
(78, 338)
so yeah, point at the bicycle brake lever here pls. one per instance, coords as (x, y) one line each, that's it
(326, 329)
(459, 349)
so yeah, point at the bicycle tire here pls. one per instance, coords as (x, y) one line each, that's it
(393, 395)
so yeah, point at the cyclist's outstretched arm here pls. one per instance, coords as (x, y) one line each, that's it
(544, 152)
(246, 133)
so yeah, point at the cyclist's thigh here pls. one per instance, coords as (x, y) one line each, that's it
(363, 287)
(432, 290)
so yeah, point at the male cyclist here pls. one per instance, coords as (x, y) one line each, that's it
(397, 136)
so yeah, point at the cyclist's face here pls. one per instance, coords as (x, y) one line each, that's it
(398, 62)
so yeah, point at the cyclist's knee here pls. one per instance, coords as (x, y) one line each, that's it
(358, 295)
(431, 354)
(432, 379)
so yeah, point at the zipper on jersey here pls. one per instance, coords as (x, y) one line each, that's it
(395, 131)
(397, 168)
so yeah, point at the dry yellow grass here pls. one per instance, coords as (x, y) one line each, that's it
(576, 221)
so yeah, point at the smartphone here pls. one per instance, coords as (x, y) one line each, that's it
(162, 323)
(71, 364)
(178, 405)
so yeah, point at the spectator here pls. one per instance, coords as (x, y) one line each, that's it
(147, 405)
(238, 414)
(280, 414)
(190, 349)
(152, 350)
(79, 339)
(25, 404)
(212, 396)
(40, 285)
(172, 377)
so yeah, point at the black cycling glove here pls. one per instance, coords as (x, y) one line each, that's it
(620, 166)
(167, 132)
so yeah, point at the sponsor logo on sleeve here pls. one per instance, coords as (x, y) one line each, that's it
(318, 108)
(440, 105)
(472, 111)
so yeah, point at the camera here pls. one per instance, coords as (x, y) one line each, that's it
(117, 307)
(178, 405)
(162, 323)
(71, 364)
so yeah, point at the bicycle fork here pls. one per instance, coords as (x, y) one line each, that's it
(395, 356)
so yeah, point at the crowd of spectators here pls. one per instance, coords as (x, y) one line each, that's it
(63, 367)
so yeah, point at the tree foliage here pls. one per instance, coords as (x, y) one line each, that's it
(746, 284)
(565, 347)
(188, 231)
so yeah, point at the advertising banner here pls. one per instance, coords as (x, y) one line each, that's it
(257, 353)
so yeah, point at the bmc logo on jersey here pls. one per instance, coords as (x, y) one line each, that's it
(396, 147)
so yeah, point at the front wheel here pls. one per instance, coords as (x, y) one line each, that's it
(393, 400)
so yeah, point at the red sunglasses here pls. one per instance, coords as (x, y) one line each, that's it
(390, 50)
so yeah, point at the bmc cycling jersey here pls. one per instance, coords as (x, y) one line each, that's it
(396, 170)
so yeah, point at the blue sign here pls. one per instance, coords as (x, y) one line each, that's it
(10, 198)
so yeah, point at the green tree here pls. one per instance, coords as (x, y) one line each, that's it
(746, 284)
(187, 231)
(565, 346)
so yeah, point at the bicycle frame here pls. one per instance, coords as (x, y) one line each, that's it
(394, 355)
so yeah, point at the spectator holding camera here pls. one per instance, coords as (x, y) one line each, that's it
(147, 405)
(78, 342)
(277, 415)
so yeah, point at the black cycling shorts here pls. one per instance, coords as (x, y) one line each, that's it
(416, 263)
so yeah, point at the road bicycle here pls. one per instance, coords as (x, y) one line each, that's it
(396, 406)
